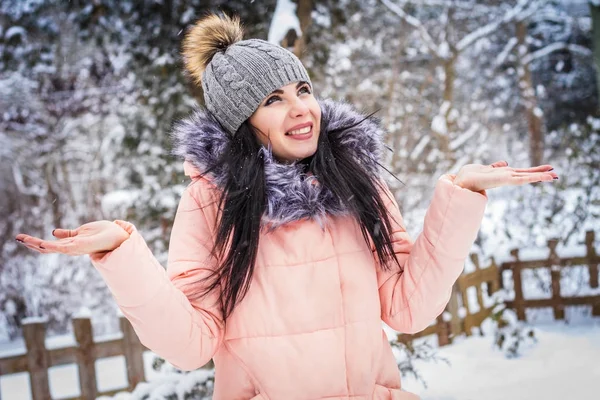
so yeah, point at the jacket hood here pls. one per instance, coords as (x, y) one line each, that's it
(291, 193)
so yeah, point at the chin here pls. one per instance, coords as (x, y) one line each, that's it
(295, 156)
(304, 154)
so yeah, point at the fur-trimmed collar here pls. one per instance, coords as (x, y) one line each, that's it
(292, 195)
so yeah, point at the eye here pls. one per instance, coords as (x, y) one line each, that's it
(304, 89)
(271, 100)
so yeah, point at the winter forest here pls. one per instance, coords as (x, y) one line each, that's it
(90, 89)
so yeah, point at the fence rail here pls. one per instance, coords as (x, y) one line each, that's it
(38, 359)
(491, 276)
(555, 264)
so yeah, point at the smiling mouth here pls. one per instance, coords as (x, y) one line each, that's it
(301, 131)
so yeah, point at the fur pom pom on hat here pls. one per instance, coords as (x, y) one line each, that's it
(235, 74)
(206, 38)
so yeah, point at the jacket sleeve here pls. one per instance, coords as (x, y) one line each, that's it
(160, 304)
(412, 297)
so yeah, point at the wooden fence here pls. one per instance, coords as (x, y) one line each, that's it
(556, 264)
(38, 359)
(491, 276)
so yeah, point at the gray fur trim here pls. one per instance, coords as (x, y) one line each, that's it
(291, 194)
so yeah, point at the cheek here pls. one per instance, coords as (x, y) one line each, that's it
(314, 108)
(316, 112)
(269, 122)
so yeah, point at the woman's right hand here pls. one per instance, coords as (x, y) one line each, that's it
(93, 237)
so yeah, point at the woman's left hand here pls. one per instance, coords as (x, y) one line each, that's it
(477, 177)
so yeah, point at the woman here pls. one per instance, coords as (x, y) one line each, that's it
(287, 249)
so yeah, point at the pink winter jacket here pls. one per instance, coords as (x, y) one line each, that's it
(310, 325)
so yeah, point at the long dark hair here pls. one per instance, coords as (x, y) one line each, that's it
(242, 203)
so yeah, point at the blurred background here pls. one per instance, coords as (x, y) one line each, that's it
(90, 89)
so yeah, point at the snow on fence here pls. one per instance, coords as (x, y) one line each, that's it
(38, 358)
(459, 319)
(556, 264)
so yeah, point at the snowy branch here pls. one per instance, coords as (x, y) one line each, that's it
(519, 12)
(522, 10)
(18, 179)
(467, 5)
(510, 45)
(555, 47)
(90, 91)
(415, 23)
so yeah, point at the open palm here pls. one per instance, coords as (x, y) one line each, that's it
(477, 177)
(93, 237)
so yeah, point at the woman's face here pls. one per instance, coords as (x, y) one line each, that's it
(289, 118)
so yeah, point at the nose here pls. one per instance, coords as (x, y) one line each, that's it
(298, 108)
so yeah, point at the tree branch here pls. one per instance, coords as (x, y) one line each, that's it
(415, 23)
(510, 45)
(584, 51)
(520, 12)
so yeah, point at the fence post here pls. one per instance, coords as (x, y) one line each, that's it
(478, 290)
(516, 272)
(591, 255)
(86, 357)
(132, 349)
(34, 332)
(443, 332)
(495, 285)
(554, 263)
(455, 324)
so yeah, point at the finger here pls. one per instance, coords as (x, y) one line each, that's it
(540, 168)
(32, 247)
(64, 233)
(43, 246)
(522, 179)
(22, 237)
(549, 175)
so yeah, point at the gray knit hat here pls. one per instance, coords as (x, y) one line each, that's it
(237, 75)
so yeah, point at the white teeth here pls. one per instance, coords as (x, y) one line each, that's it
(300, 131)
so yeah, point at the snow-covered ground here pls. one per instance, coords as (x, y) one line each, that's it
(564, 364)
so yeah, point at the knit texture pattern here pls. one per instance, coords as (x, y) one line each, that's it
(236, 81)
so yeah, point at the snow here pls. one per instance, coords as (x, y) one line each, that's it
(83, 312)
(463, 137)
(566, 355)
(98, 159)
(284, 19)
(117, 201)
(419, 147)
(438, 124)
(14, 31)
(562, 365)
(34, 320)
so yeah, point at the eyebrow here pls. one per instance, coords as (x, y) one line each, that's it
(279, 91)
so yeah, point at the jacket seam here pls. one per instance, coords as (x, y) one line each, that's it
(255, 382)
(337, 259)
(336, 255)
(302, 333)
